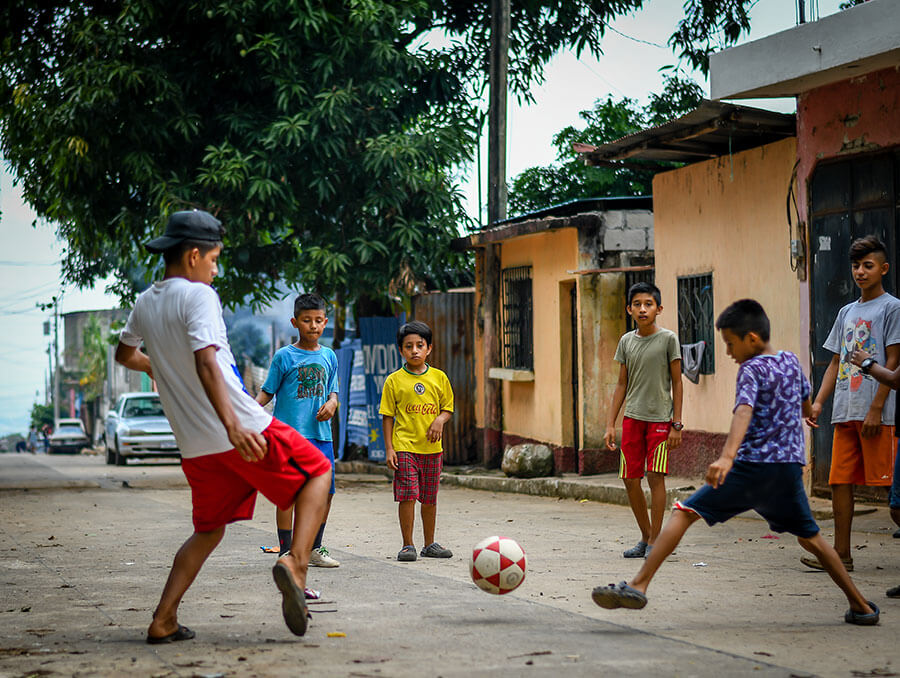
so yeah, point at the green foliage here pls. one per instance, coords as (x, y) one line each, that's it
(42, 415)
(325, 134)
(248, 344)
(570, 179)
(92, 361)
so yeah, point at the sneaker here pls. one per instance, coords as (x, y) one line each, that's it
(435, 550)
(321, 558)
(813, 562)
(407, 554)
(636, 551)
(312, 594)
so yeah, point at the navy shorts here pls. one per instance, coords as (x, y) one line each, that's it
(326, 447)
(894, 500)
(775, 491)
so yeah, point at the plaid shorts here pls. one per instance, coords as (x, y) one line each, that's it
(417, 477)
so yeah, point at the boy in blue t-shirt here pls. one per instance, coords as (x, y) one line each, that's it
(760, 468)
(303, 380)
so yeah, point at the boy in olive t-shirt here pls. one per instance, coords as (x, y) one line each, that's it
(650, 387)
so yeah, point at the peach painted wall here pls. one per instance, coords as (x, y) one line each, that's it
(534, 409)
(727, 216)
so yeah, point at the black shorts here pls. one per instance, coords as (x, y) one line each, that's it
(775, 491)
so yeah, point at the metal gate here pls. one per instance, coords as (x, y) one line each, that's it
(848, 199)
(451, 317)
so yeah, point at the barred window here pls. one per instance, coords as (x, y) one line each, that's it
(632, 277)
(517, 318)
(695, 316)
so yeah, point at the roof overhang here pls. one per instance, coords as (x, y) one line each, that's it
(850, 43)
(712, 130)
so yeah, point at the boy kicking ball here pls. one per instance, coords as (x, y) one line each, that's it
(230, 446)
(760, 468)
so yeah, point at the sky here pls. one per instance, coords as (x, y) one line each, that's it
(629, 66)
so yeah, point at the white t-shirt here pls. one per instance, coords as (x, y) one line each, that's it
(175, 318)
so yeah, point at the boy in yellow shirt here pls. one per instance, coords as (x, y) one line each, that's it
(416, 402)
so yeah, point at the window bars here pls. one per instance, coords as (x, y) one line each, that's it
(518, 320)
(695, 316)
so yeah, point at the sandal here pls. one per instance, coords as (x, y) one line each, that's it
(893, 593)
(181, 633)
(614, 596)
(813, 562)
(407, 554)
(863, 618)
(639, 550)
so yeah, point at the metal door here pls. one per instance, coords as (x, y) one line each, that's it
(848, 199)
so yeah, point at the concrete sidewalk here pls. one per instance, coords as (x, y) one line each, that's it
(605, 488)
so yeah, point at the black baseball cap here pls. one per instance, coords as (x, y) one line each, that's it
(187, 225)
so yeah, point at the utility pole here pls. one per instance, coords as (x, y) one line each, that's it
(56, 361)
(493, 393)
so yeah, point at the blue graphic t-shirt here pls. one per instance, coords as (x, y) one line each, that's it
(775, 387)
(301, 382)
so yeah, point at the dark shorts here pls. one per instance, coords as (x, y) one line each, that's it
(224, 486)
(326, 447)
(775, 491)
(895, 485)
(417, 477)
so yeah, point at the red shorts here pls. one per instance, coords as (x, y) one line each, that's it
(643, 442)
(856, 460)
(417, 477)
(224, 486)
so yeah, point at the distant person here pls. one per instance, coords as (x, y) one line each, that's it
(760, 468)
(650, 387)
(230, 446)
(416, 402)
(303, 380)
(32, 440)
(863, 411)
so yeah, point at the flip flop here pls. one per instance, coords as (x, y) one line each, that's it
(618, 595)
(293, 599)
(181, 633)
(893, 593)
(862, 619)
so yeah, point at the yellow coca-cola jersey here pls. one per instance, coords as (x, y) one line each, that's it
(414, 400)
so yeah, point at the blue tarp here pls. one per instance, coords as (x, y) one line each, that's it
(380, 358)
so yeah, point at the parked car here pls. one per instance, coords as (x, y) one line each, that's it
(68, 436)
(137, 427)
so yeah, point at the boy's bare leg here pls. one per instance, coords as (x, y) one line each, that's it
(666, 542)
(842, 504)
(188, 561)
(309, 507)
(284, 520)
(638, 504)
(407, 513)
(657, 483)
(429, 518)
(830, 560)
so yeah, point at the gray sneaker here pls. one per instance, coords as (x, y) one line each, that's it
(636, 551)
(435, 550)
(407, 554)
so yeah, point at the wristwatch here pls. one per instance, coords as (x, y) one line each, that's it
(866, 364)
(677, 425)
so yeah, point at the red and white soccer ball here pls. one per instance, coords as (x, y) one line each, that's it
(498, 565)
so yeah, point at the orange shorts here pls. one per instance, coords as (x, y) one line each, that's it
(856, 460)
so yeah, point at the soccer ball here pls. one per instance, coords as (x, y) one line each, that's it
(498, 565)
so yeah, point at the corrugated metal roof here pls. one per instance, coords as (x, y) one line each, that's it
(711, 130)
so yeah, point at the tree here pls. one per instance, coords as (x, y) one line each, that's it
(42, 415)
(325, 135)
(570, 179)
(92, 361)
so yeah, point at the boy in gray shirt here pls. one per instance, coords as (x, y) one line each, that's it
(862, 411)
(650, 387)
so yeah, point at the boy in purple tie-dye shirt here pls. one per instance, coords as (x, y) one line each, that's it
(761, 465)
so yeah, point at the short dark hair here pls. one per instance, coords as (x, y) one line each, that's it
(745, 316)
(644, 288)
(414, 327)
(308, 302)
(868, 244)
(175, 252)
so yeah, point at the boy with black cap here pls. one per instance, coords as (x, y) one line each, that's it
(230, 447)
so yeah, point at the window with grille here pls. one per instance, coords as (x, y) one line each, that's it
(632, 277)
(695, 316)
(517, 318)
